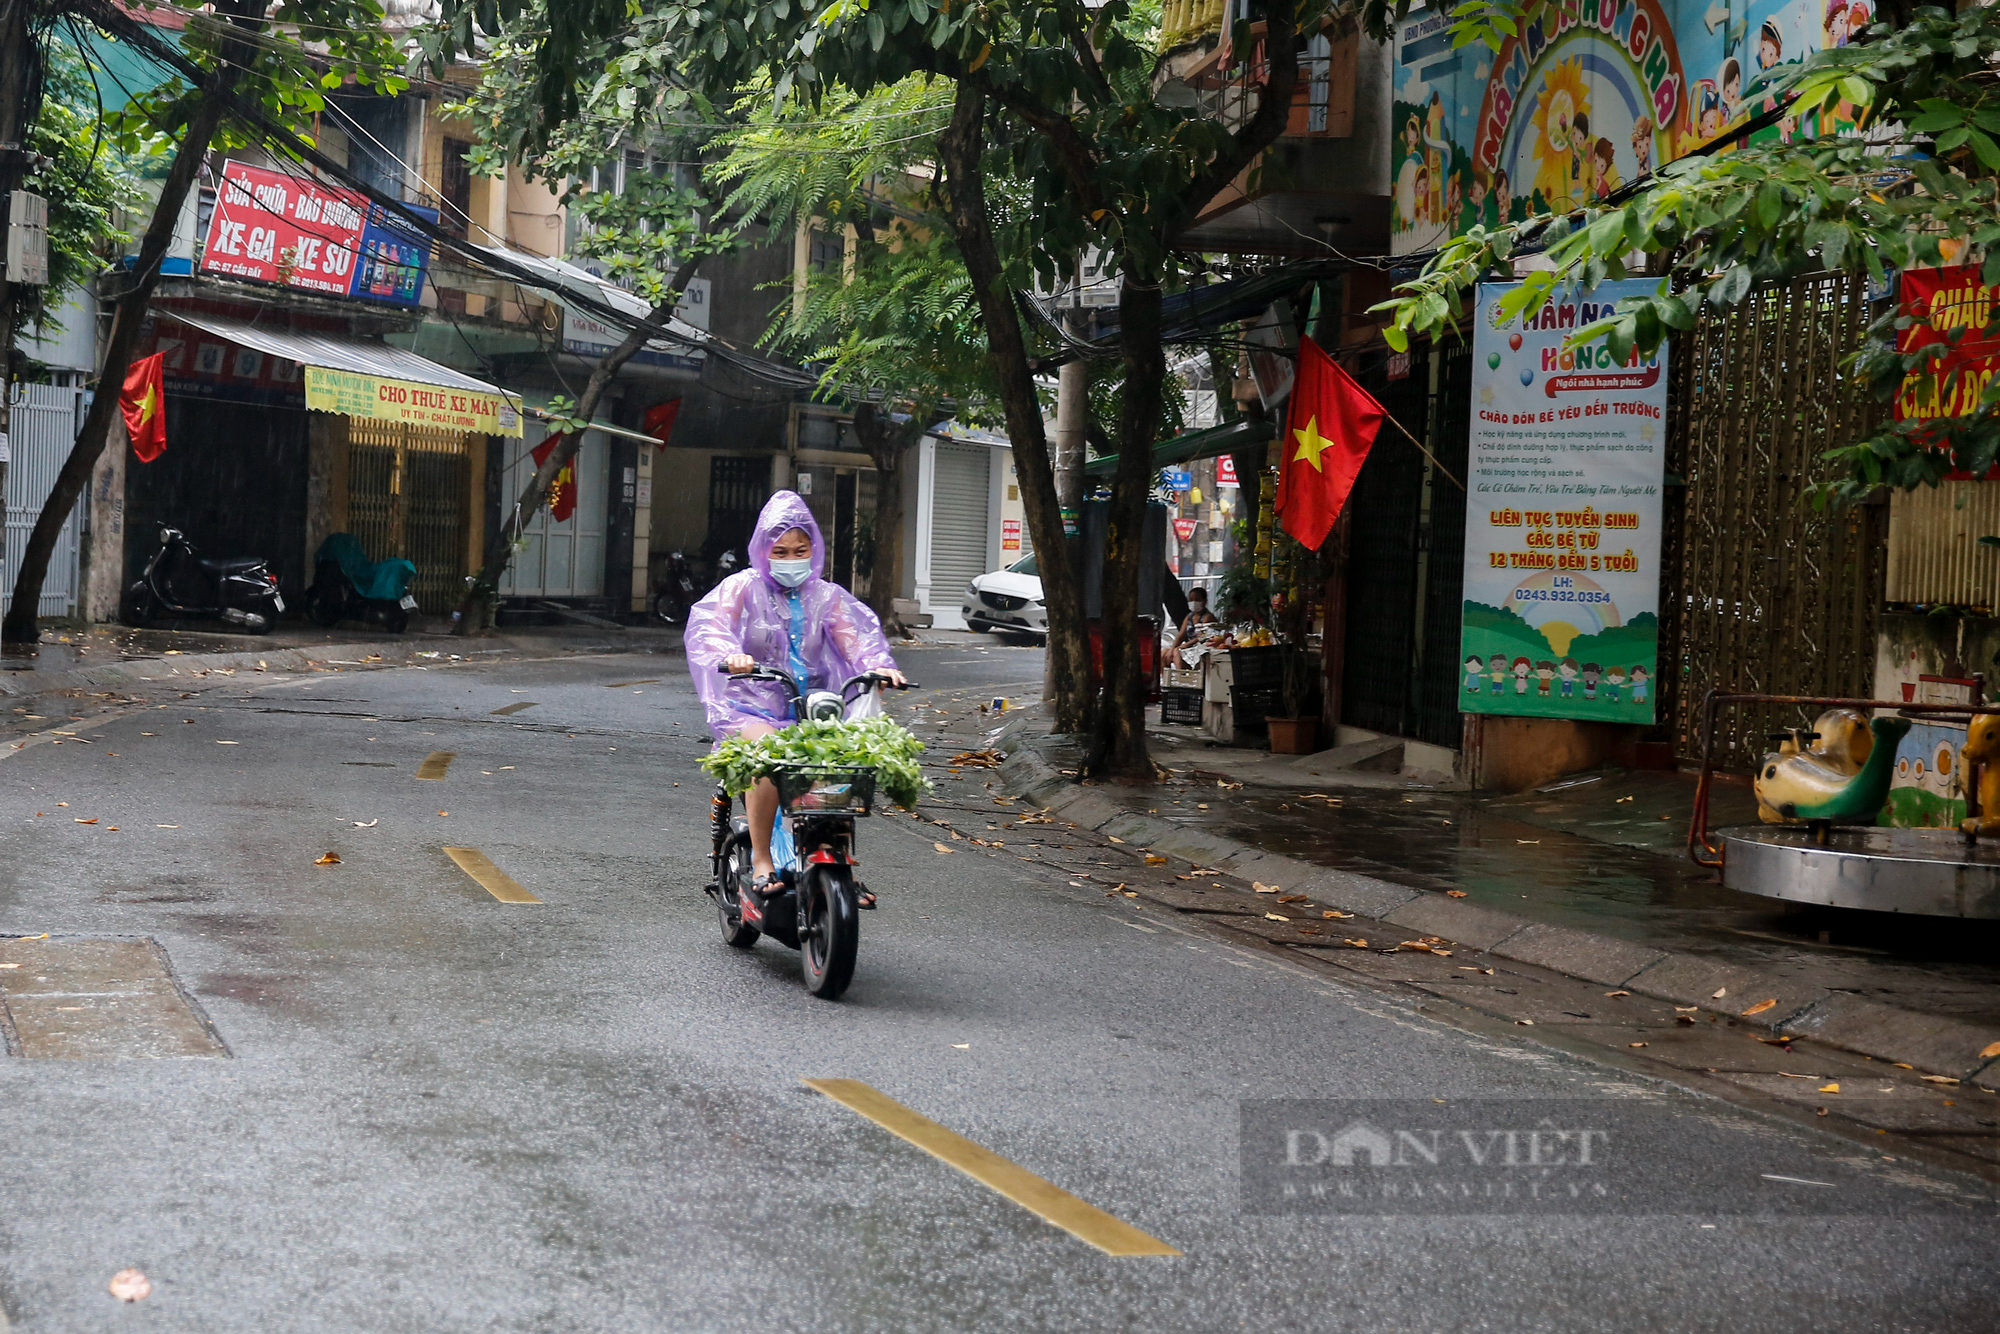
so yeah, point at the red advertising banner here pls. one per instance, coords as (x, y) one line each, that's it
(1947, 307)
(1225, 471)
(1010, 534)
(282, 229)
(1184, 529)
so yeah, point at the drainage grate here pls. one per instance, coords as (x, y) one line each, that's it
(65, 998)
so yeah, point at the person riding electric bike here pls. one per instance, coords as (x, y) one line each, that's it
(779, 611)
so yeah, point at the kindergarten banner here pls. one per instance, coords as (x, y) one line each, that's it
(1562, 516)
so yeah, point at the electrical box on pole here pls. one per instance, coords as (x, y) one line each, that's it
(28, 239)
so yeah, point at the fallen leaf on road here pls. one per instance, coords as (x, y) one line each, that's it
(9, 965)
(1454, 893)
(1263, 888)
(1904, 1065)
(1760, 1007)
(62, 803)
(1718, 993)
(1617, 993)
(1685, 1019)
(91, 820)
(111, 829)
(1829, 1088)
(1427, 945)
(943, 849)
(1686, 1009)
(1131, 893)
(330, 859)
(1274, 917)
(166, 826)
(1786, 1074)
(1990, 1051)
(444, 812)
(228, 743)
(1292, 898)
(1525, 1023)
(1308, 930)
(1938, 1079)
(129, 1285)
(1635, 1044)
(1819, 1111)
(43, 936)
(1357, 943)
(961, 1046)
(1155, 859)
(370, 824)
(1334, 914)
(1527, 840)
(1116, 839)
(1622, 800)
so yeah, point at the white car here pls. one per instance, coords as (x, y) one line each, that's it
(1009, 599)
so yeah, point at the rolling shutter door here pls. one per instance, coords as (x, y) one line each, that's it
(959, 500)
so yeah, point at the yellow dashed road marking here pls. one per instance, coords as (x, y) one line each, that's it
(490, 877)
(1046, 1201)
(436, 763)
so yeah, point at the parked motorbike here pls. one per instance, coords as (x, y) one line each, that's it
(812, 845)
(179, 581)
(347, 586)
(678, 588)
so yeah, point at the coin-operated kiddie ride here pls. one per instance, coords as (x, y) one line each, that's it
(1820, 799)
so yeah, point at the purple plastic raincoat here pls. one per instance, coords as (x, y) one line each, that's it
(819, 627)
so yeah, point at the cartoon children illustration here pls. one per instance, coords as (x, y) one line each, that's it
(1568, 671)
(1732, 87)
(1423, 194)
(1642, 146)
(1406, 174)
(1475, 667)
(1454, 200)
(1544, 672)
(1503, 200)
(1475, 204)
(1639, 683)
(1591, 671)
(1496, 672)
(1579, 158)
(1604, 177)
(1771, 47)
(1614, 685)
(1521, 668)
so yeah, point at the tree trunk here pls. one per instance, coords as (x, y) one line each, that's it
(1070, 702)
(128, 319)
(888, 444)
(16, 118)
(482, 600)
(1119, 745)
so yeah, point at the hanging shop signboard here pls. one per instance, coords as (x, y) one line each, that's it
(1562, 516)
(373, 396)
(271, 227)
(1951, 308)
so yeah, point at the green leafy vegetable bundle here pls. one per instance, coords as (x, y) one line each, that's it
(881, 744)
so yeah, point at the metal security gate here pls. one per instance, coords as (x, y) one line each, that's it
(406, 496)
(1765, 593)
(1405, 553)
(44, 428)
(961, 498)
(561, 560)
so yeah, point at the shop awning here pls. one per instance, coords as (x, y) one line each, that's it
(1209, 443)
(372, 379)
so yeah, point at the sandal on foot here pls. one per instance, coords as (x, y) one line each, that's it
(864, 898)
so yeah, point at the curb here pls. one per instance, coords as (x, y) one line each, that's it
(390, 652)
(1933, 1043)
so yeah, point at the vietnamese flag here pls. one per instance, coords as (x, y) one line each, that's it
(562, 491)
(660, 420)
(1328, 430)
(144, 405)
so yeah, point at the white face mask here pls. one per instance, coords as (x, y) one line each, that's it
(792, 573)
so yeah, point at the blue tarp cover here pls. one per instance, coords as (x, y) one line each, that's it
(387, 579)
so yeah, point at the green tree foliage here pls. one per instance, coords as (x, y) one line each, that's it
(84, 180)
(1918, 185)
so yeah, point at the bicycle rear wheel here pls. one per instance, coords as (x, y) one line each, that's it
(736, 875)
(832, 931)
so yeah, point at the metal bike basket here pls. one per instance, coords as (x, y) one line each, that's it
(837, 789)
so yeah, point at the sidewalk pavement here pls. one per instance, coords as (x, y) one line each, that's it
(1559, 911)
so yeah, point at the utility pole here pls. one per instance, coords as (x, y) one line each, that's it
(18, 83)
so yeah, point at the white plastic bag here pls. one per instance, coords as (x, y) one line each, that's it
(868, 705)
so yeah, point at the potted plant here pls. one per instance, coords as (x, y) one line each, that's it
(1297, 731)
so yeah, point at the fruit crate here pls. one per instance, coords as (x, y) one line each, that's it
(1180, 704)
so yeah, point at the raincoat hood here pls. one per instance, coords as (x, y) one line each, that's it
(783, 512)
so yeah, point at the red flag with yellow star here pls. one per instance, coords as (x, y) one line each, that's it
(1328, 431)
(562, 491)
(145, 408)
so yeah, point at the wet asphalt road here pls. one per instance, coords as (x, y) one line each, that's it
(440, 1112)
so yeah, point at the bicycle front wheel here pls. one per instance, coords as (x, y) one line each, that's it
(832, 931)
